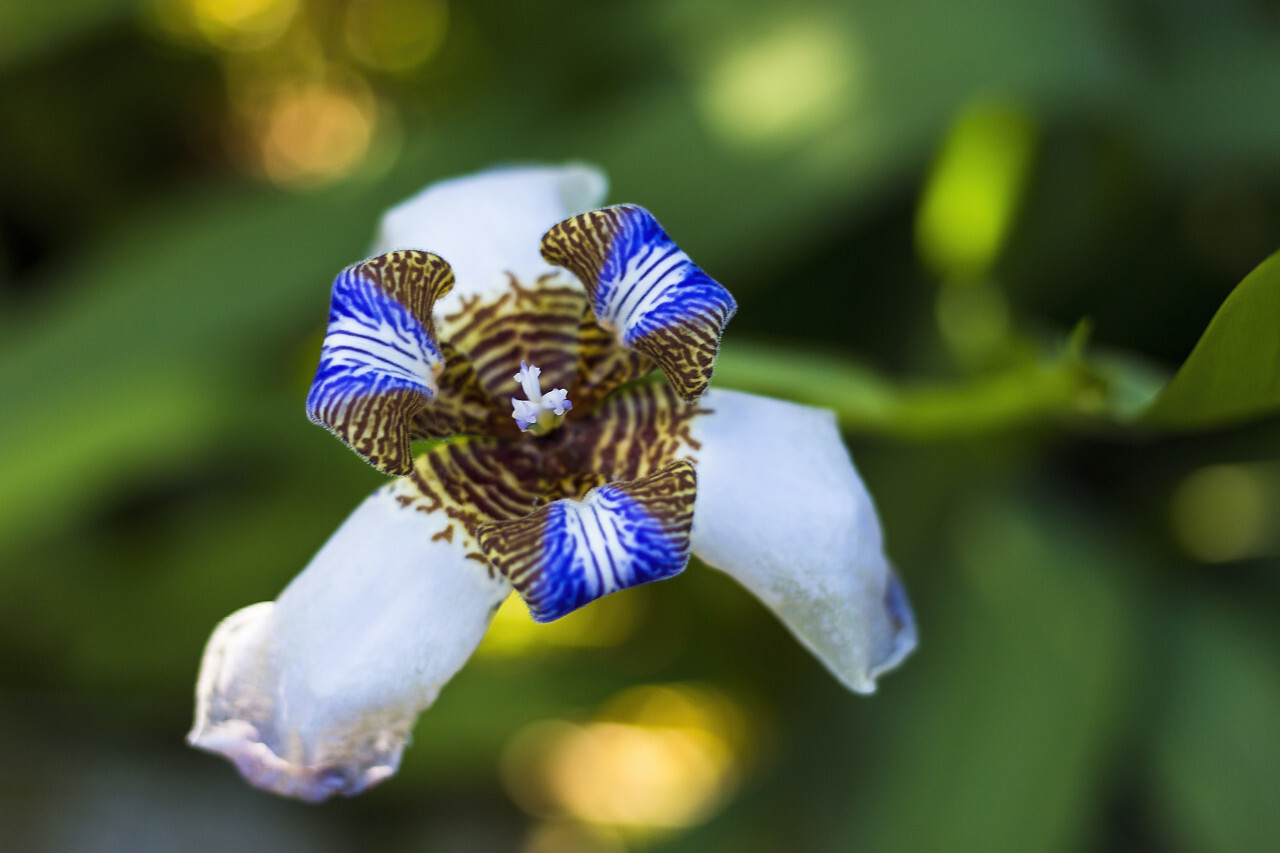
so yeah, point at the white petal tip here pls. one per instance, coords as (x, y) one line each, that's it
(582, 186)
(238, 741)
(896, 646)
(902, 622)
(237, 717)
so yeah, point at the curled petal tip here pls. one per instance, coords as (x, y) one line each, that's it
(782, 509)
(240, 744)
(236, 718)
(488, 224)
(902, 625)
(380, 359)
(646, 289)
(316, 693)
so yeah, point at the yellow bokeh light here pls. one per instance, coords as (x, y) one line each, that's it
(606, 622)
(312, 134)
(657, 758)
(682, 706)
(796, 80)
(1227, 512)
(395, 35)
(973, 191)
(241, 24)
(637, 775)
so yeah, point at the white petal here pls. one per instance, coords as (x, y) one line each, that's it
(781, 508)
(491, 223)
(316, 693)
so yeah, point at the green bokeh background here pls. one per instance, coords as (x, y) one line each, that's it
(1100, 656)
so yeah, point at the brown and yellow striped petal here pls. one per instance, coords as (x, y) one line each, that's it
(633, 433)
(536, 323)
(462, 404)
(473, 481)
(604, 364)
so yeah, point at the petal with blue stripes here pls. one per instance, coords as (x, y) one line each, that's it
(645, 289)
(380, 358)
(570, 552)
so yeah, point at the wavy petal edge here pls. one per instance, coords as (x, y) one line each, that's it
(571, 552)
(240, 741)
(646, 290)
(380, 357)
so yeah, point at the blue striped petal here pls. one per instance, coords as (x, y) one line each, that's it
(380, 357)
(645, 289)
(571, 552)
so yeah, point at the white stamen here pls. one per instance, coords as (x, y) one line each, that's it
(541, 412)
(528, 379)
(557, 401)
(525, 413)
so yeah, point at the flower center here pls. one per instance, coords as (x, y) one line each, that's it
(540, 413)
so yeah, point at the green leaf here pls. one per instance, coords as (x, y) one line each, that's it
(1021, 394)
(1217, 746)
(29, 29)
(1233, 373)
(157, 342)
(1019, 693)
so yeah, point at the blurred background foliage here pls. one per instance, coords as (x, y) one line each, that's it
(986, 233)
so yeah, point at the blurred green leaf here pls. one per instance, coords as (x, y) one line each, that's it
(1130, 381)
(27, 29)
(972, 196)
(157, 343)
(1218, 744)
(1022, 394)
(1234, 371)
(1019, 693)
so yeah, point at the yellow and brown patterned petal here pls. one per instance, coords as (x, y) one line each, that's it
(380, 359)
(462, 404)
(472, 481)
(645, 289)
(619, 535)
(632, 433)
(604, 364)
(535, 322)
